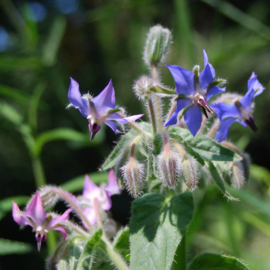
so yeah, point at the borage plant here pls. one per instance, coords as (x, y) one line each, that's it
(159, 162)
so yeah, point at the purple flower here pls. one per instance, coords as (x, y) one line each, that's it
(102, 195)
(241, 111)
(98, 110)
(194, 92)
(36, 217)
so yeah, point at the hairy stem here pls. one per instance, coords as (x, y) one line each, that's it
(68, 198)
(152, 115)
(38, 172)
(76, 228)
(158, 106)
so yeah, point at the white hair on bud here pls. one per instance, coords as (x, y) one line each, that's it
(133, 175)
(238, 178)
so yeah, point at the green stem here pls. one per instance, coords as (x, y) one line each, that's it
(67, 197)
(152, 115)
(38, 172)
(158, 105)
(180, 258)
(75, 228)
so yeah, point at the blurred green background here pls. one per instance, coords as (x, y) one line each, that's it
(43, 43)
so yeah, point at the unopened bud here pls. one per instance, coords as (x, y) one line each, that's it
(196, 71)
(133, 173)
(218, 82)
(168, 168)
(133, 177)
(157, 45)
(189, 172)
(142, 87)
(238, 178)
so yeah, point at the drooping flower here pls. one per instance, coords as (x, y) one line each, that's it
(36, 217)
(98, 110)
(194, 91)
(241, 111)
(102, 195)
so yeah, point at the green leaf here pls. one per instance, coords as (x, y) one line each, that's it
(219, 181)
(87, 256)
(34, 105)
(71, 254)
(121, 243)
(206, 147)
(76, 184)
(67, 134)
(8, 63)
(156, 229)
(187, 148)
(207, 261)
(6, 204)
(52, 45)
(8, 247)
(125, 142)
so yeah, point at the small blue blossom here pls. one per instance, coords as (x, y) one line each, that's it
(98, 110)
(193, 93)
(241, 111)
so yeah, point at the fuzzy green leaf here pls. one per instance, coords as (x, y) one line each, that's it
(156, 229)
(87, 256)
(219, 181)
(121, 243)
(207, 261)
(123, 145)
(206, 147)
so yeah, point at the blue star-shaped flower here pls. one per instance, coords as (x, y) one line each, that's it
(98, 110)
(195, 92)
(241, 111)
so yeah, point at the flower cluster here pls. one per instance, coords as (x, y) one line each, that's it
(88, 207)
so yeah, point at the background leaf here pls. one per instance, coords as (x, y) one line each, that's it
(209, 261)
(8, 247)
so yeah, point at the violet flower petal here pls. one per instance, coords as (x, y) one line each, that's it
(253, 83)
(224, 110)
(90, 215)
(206, 76)
(105, 101)
(113, 126)
(247, 99)
(62, 230)
(55, 221)
(112, 187)
(19, 218)
(90, 188)
(205, 59)
(184, 80)
(181, 103)
(35, 210)
(75, 98)
(224, 129)
(193, 118)
(214, 90)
